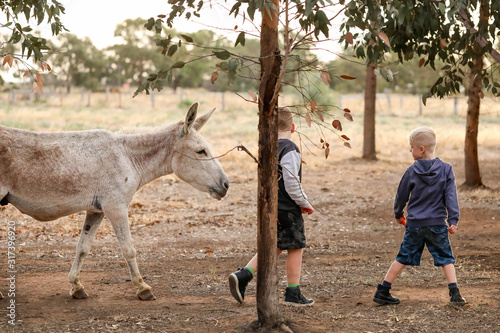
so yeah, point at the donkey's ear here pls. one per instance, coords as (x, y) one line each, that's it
(202, 120)
(190, 118)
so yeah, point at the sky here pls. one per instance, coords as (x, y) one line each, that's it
(97, 19)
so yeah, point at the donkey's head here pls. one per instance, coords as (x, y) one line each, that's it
(193, 160)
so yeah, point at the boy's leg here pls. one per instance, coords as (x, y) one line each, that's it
(293, 296)
(293, 267)
(383, 295)
(238, 281)
(455, 298)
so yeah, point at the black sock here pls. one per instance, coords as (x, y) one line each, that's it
(452, 285)
(386, 284)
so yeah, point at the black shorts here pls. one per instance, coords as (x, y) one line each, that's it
(291, 230)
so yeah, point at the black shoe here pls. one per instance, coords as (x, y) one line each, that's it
(455, 298)
(294, 297)
(383, 296)
(238, 282)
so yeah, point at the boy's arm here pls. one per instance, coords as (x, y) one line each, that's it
(451, 200)
(402, 195)
(290, 164)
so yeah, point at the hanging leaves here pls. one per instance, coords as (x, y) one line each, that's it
(348, 116)
(337, 125)
(327, 152)
(349, 38)
(214, 77)
(252, 94)
(8, 59)
(308, 119)
(347, 77)
(325, 77)
(313, 105)
(347, 144)
(345, 137)
(421, 62)
(384, 38)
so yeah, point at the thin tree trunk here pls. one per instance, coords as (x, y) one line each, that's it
(268, 311)
(369, 121)
(472, 173)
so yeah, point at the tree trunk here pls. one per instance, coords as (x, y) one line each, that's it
(369, 121)
(472, 174)
(268, 311)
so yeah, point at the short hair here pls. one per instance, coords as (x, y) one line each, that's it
(423, 136)
(285, 119)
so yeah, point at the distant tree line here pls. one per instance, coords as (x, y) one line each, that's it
(76, 62)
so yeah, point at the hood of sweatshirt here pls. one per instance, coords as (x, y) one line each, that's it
(428, 170)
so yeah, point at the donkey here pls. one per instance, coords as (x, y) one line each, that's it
(50, 175)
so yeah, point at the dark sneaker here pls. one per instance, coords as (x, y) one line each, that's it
(383, 296)
(238, 282)
(294, 297)
(455, 298)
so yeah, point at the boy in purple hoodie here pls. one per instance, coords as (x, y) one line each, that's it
(428, 187)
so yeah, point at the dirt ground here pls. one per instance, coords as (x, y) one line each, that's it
(188, 243)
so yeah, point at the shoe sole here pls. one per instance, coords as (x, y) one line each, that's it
(457, 304)
(298, 304)
(234, 287)
(384, 302)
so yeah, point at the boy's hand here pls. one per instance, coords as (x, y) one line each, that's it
(309, 210)
(452, 228)
(402, 220)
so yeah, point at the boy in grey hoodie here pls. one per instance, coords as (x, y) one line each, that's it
(428, 187)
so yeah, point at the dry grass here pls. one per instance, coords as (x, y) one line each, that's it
(236, 122)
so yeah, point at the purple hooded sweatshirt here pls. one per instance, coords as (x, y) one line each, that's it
(428, 186)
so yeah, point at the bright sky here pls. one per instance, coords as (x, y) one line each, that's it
(97, 19)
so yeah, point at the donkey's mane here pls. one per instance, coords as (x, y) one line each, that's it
(146, 129)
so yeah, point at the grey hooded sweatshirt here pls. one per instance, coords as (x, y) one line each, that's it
(428, 186)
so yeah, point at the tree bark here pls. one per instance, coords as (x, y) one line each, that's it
(369, 121)
(472, 173)
(268, 311)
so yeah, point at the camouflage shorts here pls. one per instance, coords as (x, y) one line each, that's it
(291, 230)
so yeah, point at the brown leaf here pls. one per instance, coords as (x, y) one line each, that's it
(25, 73)
(320, 116)
(39, 82)
(347, 110)
(313, 105)
(8, 59)
(347, 144)
(443, 43)
(308, 119)
(384, 38)
(337, 125)
(348, 38)
(48, 67)
(327, 152)
(421, 62)
(252, 94)
(347, 77)
(165, 49)
(325, 77)
(209, 251)
(214, 77)
(348, 116)
(345, 137)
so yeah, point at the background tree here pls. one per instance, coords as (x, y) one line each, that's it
(77, 62)
(32, 47)
(435, 30)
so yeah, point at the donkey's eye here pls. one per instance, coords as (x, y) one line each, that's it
(202, 152)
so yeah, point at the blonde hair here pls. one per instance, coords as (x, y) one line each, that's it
(423, 136)
(285, 119)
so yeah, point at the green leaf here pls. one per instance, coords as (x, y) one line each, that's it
(150, 23)
(187, 38)
(172, 49)
(240, 39)
(222, 55)
(178, 64)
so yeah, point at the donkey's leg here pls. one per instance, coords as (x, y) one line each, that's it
(89, 229)
(120, 223)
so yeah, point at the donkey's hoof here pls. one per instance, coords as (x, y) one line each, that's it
(80, 294)
(146, 295)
